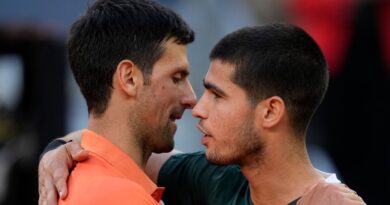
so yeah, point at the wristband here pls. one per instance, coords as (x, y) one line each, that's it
(53, 145)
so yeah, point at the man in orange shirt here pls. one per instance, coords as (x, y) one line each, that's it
(129, 59)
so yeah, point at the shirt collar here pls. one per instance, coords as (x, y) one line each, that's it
(122, 162)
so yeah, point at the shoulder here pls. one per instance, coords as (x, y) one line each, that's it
(96, 182)
(114, 190)
(111, 190)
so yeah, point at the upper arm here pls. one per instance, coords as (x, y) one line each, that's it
(155, 162)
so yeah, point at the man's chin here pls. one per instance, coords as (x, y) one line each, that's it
(216, 159)
(165, 148)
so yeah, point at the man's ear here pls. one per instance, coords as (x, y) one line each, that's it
(128, 77)
(272, 111)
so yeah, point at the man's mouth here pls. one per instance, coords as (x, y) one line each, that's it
(202, 130)
(206, 136)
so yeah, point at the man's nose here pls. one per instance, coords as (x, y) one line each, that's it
(199, 110)
(189, 100)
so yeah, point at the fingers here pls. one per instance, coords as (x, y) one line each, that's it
(51, 194)
(53, 173)
(342, 194)
(54, 170)
(60, 170)
(313, 189)
(348, 193)
(47, 191)
(354, 198)
(352, 195)
(48, 195)
(335, 194)
(59, 177)
(312, 194)
(76, 152)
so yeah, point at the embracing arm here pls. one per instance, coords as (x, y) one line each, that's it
(55, 165)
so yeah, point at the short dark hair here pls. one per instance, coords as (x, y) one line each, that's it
(277, 60)
(113, 30)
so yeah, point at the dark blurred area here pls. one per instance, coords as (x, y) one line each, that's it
(38, 115)
(351, 125)
(353, 122)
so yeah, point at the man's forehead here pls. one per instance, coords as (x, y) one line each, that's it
(219, 70)
(174, 58)
(218, 76)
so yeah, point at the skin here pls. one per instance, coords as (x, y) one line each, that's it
(164, 100)
(226, 120)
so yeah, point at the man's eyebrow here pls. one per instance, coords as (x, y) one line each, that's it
(213, 87)
(183, 71)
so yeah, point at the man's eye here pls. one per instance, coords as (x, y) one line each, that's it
(216, 95)
(177, 78)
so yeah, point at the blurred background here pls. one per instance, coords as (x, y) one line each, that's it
(40, 101)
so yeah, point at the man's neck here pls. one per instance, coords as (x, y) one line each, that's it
(117, 131)
(281, 176)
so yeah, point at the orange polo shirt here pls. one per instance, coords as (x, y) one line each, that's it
(109, 176)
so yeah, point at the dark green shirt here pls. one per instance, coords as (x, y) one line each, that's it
(189, 179)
